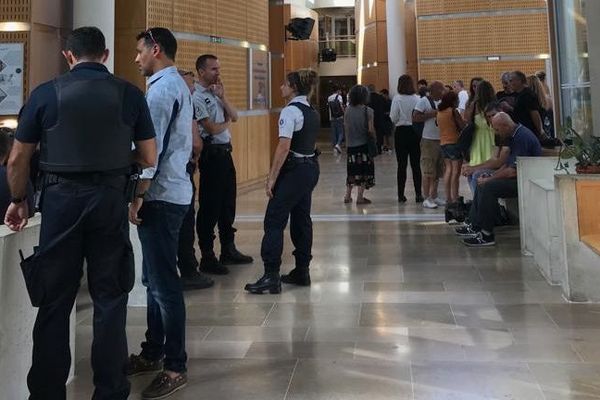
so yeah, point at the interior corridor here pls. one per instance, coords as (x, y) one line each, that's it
(398, 309)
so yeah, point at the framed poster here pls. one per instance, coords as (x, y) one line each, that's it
(11, 78)
(259, 73)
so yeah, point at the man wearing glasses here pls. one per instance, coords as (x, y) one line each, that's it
(162, 200)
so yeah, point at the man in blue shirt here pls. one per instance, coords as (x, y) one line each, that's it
(163, 199)
(501, 184)
(85, 159)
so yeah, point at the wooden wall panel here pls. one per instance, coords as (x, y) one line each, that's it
(431, 7)
(239, 141)
(232, 20)
(160, 13)
(195, 16)
(370, 45)
(277, 78)
(15, 10)
(189, 51)
(382, 50)
(259, 146)
(588, 193)
(412, 60)
(234, 73)
(484, 36)
(257, 21)
(490, 71)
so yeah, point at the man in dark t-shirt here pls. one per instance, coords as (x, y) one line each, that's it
(377, 104)
(526, 110)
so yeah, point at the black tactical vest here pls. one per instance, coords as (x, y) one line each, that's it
(304, 140)
(90, 135)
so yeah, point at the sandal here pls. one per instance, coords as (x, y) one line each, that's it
(364, 200)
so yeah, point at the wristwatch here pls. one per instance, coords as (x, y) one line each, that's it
(18, 200)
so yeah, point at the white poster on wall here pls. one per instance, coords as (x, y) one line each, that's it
(11, 78)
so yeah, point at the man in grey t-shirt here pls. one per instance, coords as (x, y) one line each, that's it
(217, 198)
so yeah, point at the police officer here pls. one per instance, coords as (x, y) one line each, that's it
(217, 172)
(85, 122)
(293, 176)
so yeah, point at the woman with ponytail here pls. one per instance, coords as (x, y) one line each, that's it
(293, 176)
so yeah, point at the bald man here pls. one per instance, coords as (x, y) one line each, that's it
(501, 184)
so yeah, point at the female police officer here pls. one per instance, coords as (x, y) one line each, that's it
(290, 183)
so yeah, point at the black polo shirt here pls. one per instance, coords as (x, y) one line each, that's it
(525, 102)
(41, 110)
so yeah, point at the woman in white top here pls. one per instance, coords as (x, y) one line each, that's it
(407, 141)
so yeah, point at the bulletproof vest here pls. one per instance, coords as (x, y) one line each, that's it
(303, 141)
(90, 135)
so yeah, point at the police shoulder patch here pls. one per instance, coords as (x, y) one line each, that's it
(281, 121)
(207, 100)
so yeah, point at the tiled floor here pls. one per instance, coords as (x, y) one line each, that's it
(398, 309)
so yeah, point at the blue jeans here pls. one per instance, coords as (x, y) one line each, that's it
(473, 178)
(337, 131)
(159, 236)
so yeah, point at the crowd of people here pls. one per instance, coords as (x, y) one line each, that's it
(446, 132)
(182, 125)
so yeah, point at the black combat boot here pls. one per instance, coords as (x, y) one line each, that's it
(269, 281)
(210, 265)
(297, 276)
(230, 255)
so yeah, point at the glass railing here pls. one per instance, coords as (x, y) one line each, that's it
(344, 48)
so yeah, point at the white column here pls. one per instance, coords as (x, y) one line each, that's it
(396, 45)
(100, 14)
(592, 10)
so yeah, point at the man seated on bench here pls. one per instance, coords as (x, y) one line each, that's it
(501, 184)
(498, 159)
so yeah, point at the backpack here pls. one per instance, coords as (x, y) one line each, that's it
(419, 126)
(336, 108)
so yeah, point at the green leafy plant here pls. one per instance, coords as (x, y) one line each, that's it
(585, 149)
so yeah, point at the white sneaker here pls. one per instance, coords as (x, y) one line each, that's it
(439, 201)
(338, 148)
(428, 203)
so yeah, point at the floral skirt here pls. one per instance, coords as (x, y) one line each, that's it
(360, 167)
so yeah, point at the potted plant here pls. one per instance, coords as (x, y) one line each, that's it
(585, 149)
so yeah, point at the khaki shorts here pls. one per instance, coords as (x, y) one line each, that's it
(432, 163)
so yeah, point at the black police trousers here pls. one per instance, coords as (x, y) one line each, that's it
(82, 221)
(292, 198)
(186, 255)
(217, 197)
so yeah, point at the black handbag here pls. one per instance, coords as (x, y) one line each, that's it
(465, 139)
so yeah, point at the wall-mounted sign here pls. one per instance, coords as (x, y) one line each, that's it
(260, 80)
(216, 39)
(11, 78)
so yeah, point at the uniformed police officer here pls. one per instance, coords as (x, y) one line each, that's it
(86, 121)
(217, 172)
(293, 176)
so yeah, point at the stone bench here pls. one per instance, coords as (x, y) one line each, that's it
(18, 315)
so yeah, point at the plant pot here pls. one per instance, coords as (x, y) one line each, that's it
(588, 169)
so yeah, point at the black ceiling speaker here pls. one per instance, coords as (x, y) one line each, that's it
(300, 28)
(328, 55)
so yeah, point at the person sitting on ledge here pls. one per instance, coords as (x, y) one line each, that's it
(501, 184)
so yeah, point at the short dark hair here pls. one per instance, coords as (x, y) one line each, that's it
(520, 76)
(358, 94)
(87, 42)
(422, 82)
(303, 81)
(406, 85)
(449, 100)
(163, 38)
(201, 61)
